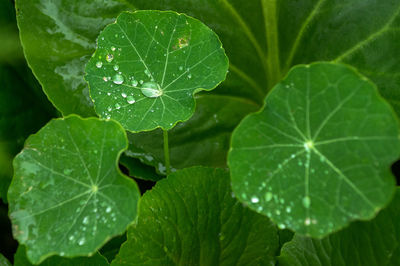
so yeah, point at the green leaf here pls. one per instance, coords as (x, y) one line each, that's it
(20, 259)
(58, 38)
(373, 243)
(192, 218)
(111, 249)
(364, 34)
(299, 161)
(68, 196)
(138, 169)
(240, 26)
(148, 65)
(4, 261)
(202, 140)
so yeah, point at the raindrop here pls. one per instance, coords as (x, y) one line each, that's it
(288, 209)
(67, 171)
(116, 67)
(281, 226)
(118, 79)
(134, 83)
(71, 237)
(123, 94)
(85, 220)
(268, 196)
(130, 99)
(105, 79)
(181, 68)
(254, 200)
(109, 57)
(117, 106)
(112, 48)
(190, 76)
(81, 241)
(99, 64)
(147, 72)
(141, 81)
(151, 89)
(306, 202)
(108, 209)
(109, 109)
(307, 221)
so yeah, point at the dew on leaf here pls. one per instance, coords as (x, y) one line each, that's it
(130, 99)
(116, 67)
(151, 89)
(112, 48)
(306, 202)
(67, 171)
(123, 94)
(99, 64)
(117, 106)
(85, 220)
(81, 241)
(268, 196)
(134, 83)
(108, 209)
(118, 79)
(109, 58)
(255, 200)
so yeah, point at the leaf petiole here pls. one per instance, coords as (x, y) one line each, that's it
(166, 152)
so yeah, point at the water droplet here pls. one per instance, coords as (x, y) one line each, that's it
(307, 221)
(288, 209)
(141, 81)
(123, 94)
(281, 226)
(181, 68)
(112, 48)
(109, 57)
(306, 202)
(151, 89)
(71, 237)
(147, 72)
(117, 106)
(308, 145)
(109, 108)
(105, 79)
(85, 220)
(108, 209)
(116, 67)
(268, 196)
(278, 212)
(134, 83)
(118, 79)
(67, 171)
(99, 64)
(190, 76)
(81, 241)
(255, 200)
(130, 99)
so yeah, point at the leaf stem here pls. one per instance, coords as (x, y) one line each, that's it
(166, 152)
(271, 28)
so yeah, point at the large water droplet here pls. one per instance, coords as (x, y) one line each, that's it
(99, 64)
(306, 202)
(123, 94)
(134, 83)
(112, 48)
(81, 241)
(109, 57)
(118, 79)
(151, 89)
(255, 200)
(116, 67)
(130, 99)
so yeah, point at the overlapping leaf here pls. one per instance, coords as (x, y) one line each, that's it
(373, 243)
(67, 196)
(318, 155)
(58, 38)
(202, 140)
(192, 218)
(148, 65)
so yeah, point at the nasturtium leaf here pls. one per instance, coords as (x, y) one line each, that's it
(192, 218)
(138, 169)
(20, 259)
(68, 196)
(58, 38)
(4, 261)
(318, 155)
(202, 140)
(372, 243)
(148, 65)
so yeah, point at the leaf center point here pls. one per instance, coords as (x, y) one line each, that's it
(308, 145)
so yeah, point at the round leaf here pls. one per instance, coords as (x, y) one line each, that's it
(192, 218)
(148, 65)
(68, 196)
(372, 243)
(318, 155)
